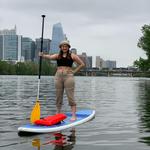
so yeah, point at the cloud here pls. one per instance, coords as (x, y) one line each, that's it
(109, 28)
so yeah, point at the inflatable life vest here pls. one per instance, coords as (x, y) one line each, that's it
(51, 120)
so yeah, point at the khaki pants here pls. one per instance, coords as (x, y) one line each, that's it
(64, 81)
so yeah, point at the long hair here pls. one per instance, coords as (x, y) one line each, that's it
(61, 54)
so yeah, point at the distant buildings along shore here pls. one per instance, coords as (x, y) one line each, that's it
(17, 48)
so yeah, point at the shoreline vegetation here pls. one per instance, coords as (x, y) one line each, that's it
(26, 68)
(142, 74)
(48, 69)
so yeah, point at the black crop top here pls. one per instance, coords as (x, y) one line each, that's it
(65, 61)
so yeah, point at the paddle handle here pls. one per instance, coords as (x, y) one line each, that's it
(40, 60)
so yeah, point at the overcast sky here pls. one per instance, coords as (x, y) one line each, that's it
(106, 28)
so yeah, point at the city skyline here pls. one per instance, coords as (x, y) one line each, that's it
(109, 29)
(25, 49)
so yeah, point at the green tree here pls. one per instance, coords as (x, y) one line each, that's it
(48, 68)
(26, 68)
(144, 43)
(4, 67)
(11, 69)
(31, 68)
(143, 64)
(20, 68)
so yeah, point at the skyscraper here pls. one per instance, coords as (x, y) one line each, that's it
(90, 61)
(46, 47)
(8, 32)
(27, 48)
(86, 59)
(57, 37)
(10, 45)
(100, 63)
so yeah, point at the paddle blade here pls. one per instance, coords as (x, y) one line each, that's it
(35, 114)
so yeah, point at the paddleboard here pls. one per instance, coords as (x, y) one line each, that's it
(82, 117)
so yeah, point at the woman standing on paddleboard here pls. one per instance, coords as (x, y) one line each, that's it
(64, 77)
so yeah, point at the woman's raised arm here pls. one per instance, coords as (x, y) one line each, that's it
(48, 56)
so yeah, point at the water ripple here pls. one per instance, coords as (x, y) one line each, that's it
(122, 118)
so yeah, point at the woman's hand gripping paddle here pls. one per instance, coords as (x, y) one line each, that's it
(35, 114)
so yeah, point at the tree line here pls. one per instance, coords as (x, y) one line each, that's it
(31, 68)
(26, 68)
(144, 43)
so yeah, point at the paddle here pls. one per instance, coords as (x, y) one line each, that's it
(35, 114)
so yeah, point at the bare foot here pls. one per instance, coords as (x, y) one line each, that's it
(73, 118)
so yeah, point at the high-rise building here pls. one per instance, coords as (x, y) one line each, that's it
(46, 46)
(100, 63)
(10, 45)
(33, 51)
(110, 64)
(87, 60)
(57, 36)
(8, 32)
(90, 61)
(27, 48)
(74, 50)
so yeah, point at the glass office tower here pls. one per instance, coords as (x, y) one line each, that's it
(46, 47)
(57, 37)
(10, 45)
(27, 48)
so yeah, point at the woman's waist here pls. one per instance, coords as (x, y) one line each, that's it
(64, 70)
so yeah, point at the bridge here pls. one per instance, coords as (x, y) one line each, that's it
(108, 73)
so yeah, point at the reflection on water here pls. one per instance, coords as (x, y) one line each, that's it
(144, 110)
(122, 119)
(58, 140)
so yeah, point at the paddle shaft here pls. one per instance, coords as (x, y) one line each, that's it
(40, 59)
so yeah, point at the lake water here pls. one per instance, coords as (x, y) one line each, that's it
(122, 120)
